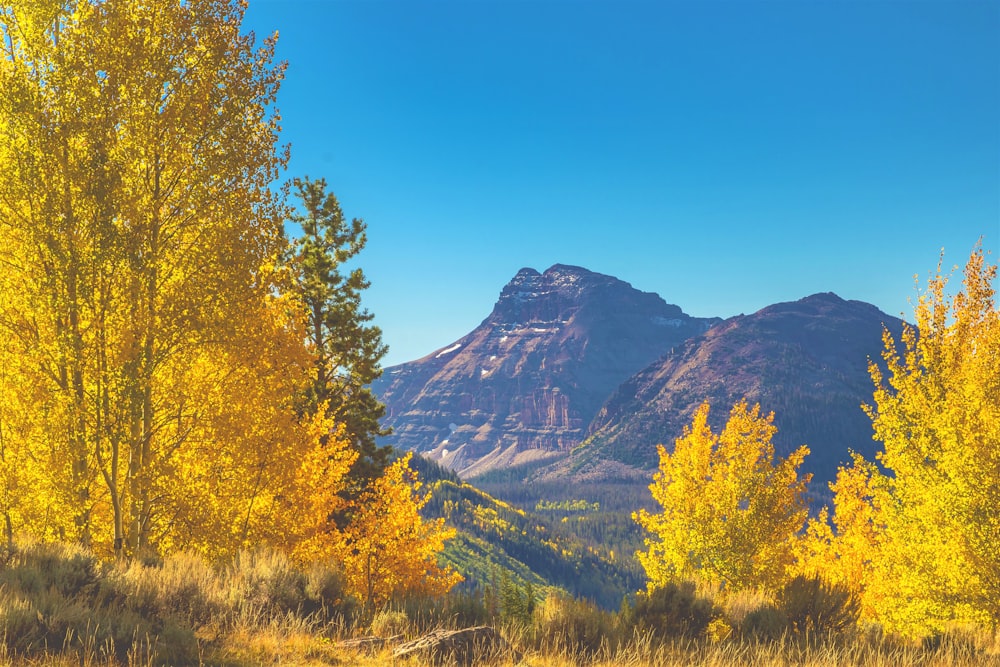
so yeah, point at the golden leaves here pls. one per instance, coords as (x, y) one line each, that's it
(918, 540)
(730, 512)
(389, 549)
(938, 417)
(137, 233)
(150, 376)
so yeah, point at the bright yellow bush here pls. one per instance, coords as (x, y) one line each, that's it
(917, 538)
(730, 511)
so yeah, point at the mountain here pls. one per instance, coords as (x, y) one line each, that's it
(805, 360)
(526, 383)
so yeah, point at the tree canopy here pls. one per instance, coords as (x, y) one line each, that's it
(346, 347)
(389, 548)
(917, 532)
(158, 335)
(730, 511)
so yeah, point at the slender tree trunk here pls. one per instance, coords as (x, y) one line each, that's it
(145, 293)
(8, 524)
(78, 438)
(105, 431)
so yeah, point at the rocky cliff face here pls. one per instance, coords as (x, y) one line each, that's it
(805, 360)
(526, 384)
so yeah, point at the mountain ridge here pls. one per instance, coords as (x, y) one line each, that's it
(805, 360)
(577, 375)
(524, 384)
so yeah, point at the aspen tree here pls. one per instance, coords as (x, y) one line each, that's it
(730, 511)
(937, 414)
(140, 243)
(916, 534)
(388, 548)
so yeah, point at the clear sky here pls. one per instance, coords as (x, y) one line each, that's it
(726, 155)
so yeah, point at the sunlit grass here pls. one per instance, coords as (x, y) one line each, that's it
(60, 606)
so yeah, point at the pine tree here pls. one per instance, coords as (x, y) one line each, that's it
(347, 348)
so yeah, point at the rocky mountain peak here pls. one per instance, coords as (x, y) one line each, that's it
(562, 290)
(570, 273)
(526, 382)
(559, 280)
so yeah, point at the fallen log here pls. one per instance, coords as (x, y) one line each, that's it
(468, 646)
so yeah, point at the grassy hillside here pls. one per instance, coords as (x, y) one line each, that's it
(569, 545)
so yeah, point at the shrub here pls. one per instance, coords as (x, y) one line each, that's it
(325, 586)
(674, 610)
(38, 568)
(389, 623)
(37, 623)
(579, 627)
(181, 587)
(812, 605)
(718, 630)
(766, 622)
(55, 596)
(267, 581)
(176, 645)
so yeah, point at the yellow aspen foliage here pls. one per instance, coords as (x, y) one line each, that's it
(730, 511)
(388, 549)
(937, 414)
(845, 553)
(150, 373)
(28, 498)
(252, 471)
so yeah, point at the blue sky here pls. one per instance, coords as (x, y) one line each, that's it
(726, 155)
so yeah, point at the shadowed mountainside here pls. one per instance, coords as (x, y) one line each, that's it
(805, 360)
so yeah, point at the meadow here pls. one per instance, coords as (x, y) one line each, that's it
(61, 606)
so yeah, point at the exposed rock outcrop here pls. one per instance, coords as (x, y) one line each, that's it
(526, 383)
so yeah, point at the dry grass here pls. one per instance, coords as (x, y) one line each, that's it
(61, 607)
(701, 654)
(290, 643)
(690, 653)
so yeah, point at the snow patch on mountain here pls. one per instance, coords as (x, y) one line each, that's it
(447, 350)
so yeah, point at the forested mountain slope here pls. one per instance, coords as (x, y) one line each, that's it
(575, 546)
